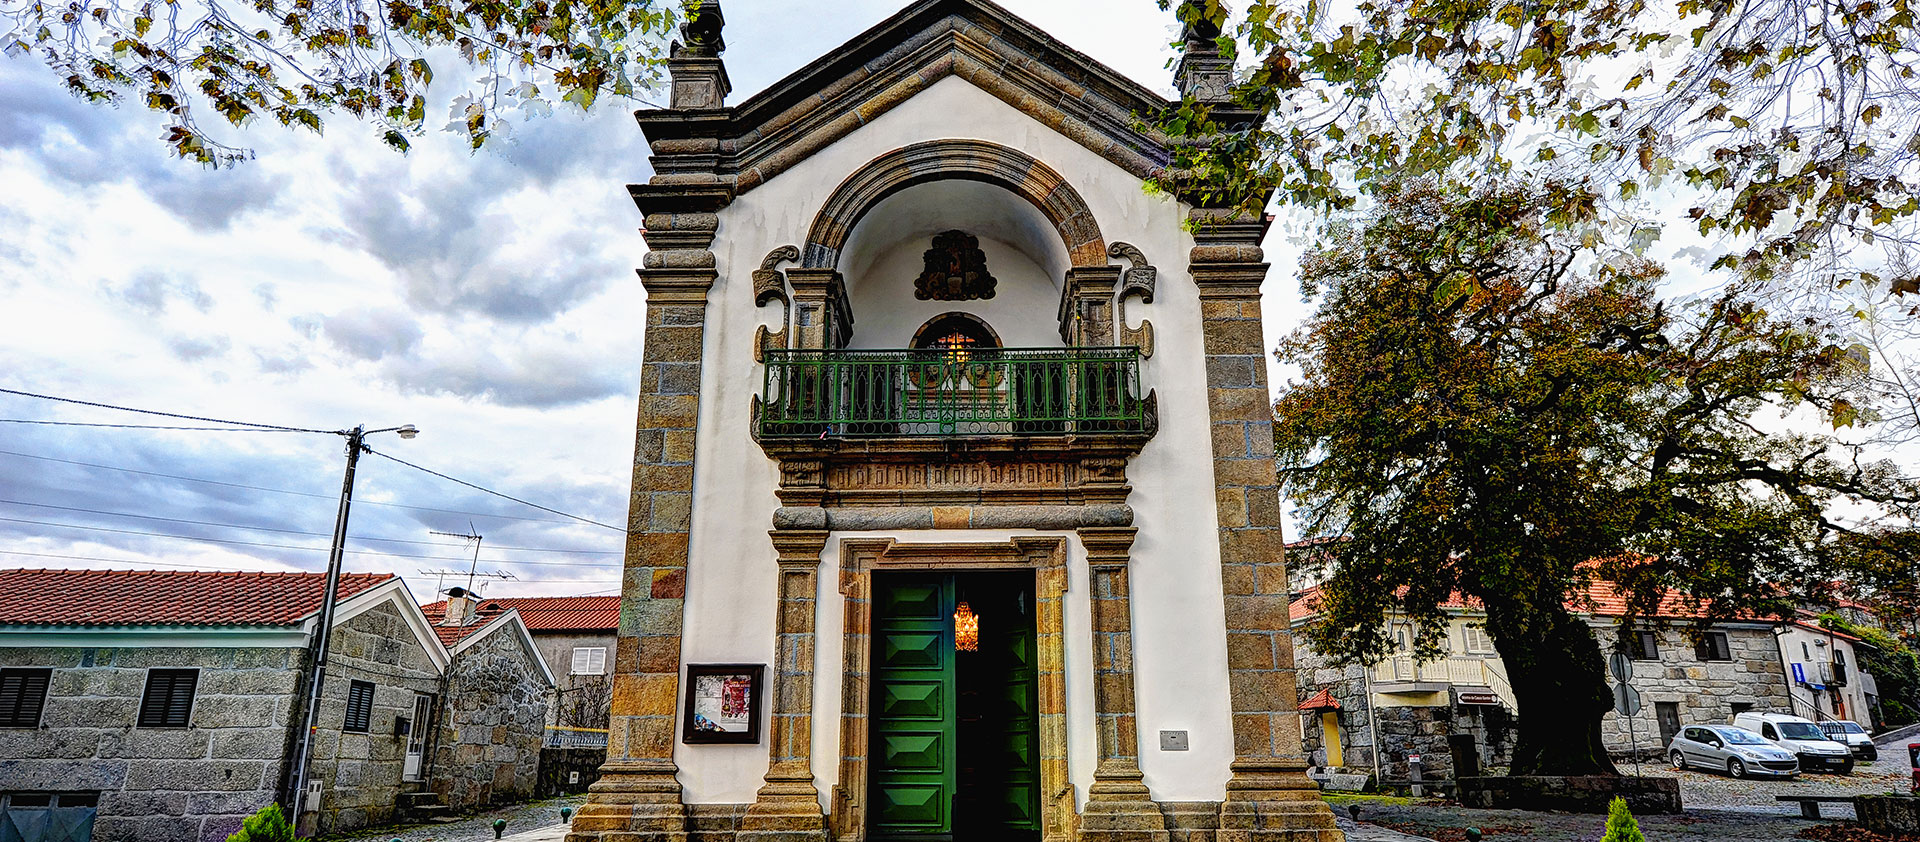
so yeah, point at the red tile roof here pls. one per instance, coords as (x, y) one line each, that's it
(547, 613)
(1322, 700)
(1602, 599)
(166, 597)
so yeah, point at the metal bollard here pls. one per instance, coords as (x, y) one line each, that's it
(499, 827)
(1473, 834)
(566, 815)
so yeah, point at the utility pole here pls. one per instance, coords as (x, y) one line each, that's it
(323, 637)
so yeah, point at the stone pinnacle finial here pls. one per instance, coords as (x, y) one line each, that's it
(702, 29)
(1203, 73)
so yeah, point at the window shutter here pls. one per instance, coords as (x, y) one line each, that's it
(23, 693)
(359, 707)
(168, 700)
(589, 660)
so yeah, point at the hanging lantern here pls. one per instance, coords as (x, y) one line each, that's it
(966, 629)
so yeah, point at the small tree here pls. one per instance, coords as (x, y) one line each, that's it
(267, 825)
(1621, 826)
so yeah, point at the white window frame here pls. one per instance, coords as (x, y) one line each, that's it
(595, 658)
(1477, 641)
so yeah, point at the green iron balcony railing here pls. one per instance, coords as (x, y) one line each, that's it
(953, 392)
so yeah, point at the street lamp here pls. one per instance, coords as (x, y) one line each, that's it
(356, 444)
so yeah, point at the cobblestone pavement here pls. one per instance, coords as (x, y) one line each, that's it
(520, 819)
(1718, 809)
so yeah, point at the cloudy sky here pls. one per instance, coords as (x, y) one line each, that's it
(488, 298)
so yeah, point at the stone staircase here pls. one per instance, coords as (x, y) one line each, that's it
(424, 808)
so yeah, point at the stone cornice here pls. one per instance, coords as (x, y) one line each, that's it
(748, 144)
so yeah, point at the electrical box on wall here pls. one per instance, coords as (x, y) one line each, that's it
(1173, 741)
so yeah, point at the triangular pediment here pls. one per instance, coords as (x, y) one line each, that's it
(987, 46)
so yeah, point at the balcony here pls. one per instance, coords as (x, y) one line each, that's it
(953, 393)
(1403, 673)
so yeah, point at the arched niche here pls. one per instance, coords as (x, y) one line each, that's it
(1021, 174)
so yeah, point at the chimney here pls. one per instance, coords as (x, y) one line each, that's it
(459, 607)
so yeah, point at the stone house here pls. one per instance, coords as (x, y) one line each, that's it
(575, 636)
(167, 704)
(1457, 711)
(498, 693)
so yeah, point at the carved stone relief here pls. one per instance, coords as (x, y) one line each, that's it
(770, 284)
(1136, 281)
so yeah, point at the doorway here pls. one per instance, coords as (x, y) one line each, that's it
(955, 727)
(1668, 714)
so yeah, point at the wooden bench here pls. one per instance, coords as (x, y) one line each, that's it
(1810, 804)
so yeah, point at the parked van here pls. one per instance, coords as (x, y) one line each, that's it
(1854, 736)
(1815, 750)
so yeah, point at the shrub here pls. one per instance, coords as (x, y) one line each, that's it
(267, 825)
(1621, 826)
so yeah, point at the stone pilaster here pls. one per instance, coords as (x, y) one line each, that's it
(637, 798)
(787, 808)
(1086, 305)
(1269, 796)
(822, 318)
(1119, 808)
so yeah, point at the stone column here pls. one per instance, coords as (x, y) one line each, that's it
(1119, 808)
(1269, 796)
(787, 808)
(822, 318)
(638, 795)
(1086, 305)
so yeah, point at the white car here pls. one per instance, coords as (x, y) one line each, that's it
(1855, 737)
(1815, 750)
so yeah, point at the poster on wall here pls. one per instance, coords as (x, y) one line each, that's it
(723, 703)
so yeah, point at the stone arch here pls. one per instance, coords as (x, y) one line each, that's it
(973, 160)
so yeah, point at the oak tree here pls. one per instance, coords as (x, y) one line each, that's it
(300, 62)
(1485, 407)
(1790, 129)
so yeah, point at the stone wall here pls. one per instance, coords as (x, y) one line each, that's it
(488, 748)
(1423, 729)
(194, 783)
(362, 772)
(1703, 691)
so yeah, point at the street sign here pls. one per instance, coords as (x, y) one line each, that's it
(1626, 700)
(1621, 665)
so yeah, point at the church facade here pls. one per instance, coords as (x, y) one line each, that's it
(954, 512)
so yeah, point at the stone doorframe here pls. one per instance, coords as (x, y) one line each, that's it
(860, 558)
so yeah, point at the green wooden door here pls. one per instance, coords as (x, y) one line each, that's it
(912, 749)
(1014, 713)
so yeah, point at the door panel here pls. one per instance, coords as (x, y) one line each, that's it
(913, 726)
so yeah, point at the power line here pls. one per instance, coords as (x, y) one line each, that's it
(245, 487)
(164, 414)
(491, 491)
(152, 534)
(143, 426)
(284, 531)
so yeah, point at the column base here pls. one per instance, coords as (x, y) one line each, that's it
(1274, 801)
(632, 802)
(787, 809)
(1120, 809)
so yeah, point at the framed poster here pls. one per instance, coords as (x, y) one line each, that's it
(723, 703)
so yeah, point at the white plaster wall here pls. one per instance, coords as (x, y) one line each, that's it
(1792, 638)
(1179, 626)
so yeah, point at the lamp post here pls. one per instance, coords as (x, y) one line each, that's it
(356, 443)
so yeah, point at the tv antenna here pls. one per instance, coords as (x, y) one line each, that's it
(473, 569)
